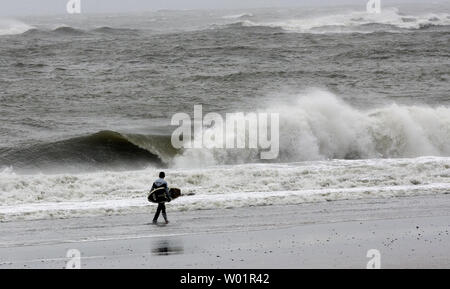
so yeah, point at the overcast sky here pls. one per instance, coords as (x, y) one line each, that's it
(34, 7)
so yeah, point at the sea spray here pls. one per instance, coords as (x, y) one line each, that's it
(12, 27)
(318, 125)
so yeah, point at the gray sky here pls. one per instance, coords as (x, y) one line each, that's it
(42, 7)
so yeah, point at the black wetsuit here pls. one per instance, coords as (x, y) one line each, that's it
(160, 183)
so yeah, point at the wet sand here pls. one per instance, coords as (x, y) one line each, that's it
(410, 232)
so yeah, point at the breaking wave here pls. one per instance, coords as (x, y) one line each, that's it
(12, 27)
(315, 125)
(318, 125)
(389, 20)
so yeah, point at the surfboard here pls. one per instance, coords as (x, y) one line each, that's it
(159, 195)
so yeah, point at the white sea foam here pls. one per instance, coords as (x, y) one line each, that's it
(354, 21)
(103, 193)
(214, 201)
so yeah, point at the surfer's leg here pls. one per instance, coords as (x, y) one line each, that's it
(163, 208)
(158, 211)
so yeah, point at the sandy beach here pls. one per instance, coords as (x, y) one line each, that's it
(409, 232)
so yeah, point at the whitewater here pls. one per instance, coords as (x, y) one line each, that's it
(390, 19)
(104, 193)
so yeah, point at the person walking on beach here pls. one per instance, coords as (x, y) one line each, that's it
(161, 183)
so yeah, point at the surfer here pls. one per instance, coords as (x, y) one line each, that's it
(161, 183)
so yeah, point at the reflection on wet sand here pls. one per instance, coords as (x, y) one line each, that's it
(167, 247)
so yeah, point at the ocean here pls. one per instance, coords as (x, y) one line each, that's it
(87, 101)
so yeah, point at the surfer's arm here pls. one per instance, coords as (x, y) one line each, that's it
(166, 186)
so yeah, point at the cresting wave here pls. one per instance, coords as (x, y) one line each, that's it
(105, 193)
(389, 20)
(102, 150)
(315, 125)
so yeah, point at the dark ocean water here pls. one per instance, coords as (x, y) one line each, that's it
(98, 91)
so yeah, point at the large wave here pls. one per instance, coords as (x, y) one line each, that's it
(390, 19)
(315, 125)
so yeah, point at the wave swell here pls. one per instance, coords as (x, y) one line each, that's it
(64, 31)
